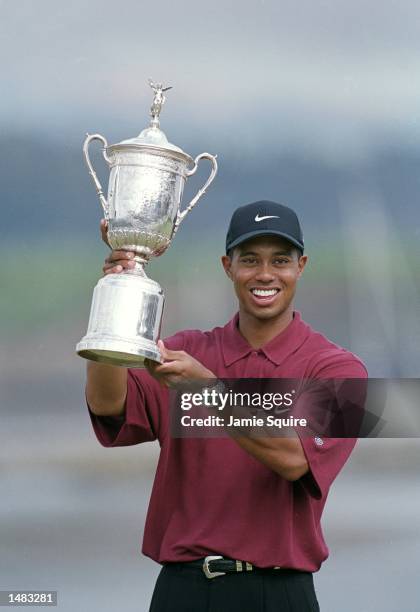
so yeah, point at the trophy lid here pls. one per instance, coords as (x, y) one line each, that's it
(153, 136)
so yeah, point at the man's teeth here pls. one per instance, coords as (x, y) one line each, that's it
(264, 292)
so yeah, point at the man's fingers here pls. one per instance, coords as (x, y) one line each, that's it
(112, 269)
(123, 263)
(164, 378)
(168, 373)
(168, 354)
(117, 261)
(169, 367)
(117, 266)
(119, 256)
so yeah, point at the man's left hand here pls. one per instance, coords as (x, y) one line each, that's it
(178, 368)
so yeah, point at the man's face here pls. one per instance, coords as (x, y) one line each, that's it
(264, 272)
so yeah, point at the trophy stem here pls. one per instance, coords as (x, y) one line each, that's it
(138, 270)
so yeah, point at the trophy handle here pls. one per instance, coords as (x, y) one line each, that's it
(92, 172)
(181, 215)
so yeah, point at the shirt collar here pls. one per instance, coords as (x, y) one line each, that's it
(235, 346)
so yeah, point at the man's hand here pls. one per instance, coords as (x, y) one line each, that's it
(178, 368)
(117, 261)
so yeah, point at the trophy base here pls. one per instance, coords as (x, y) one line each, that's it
(124, 323)
(117, 352)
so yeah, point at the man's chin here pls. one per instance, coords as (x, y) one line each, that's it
(267, 314)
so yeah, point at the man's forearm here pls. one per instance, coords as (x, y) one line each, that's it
(283, 455)
(106, 389)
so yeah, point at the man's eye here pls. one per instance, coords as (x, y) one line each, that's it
(281, 260)
(248, 260)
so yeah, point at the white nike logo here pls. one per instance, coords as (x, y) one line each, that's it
(258, 218)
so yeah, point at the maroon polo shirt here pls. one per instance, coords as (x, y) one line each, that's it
(209, 495)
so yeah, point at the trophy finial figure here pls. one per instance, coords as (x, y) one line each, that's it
(158, 102)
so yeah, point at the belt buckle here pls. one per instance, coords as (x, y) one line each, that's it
(207, 570)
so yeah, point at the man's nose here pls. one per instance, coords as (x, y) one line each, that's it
(264, 273)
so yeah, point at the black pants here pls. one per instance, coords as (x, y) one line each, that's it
(180, 588)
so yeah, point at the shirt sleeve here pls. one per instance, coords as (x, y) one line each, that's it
(326, 455)
(146, 409)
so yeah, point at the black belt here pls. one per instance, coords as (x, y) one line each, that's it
(216, 565)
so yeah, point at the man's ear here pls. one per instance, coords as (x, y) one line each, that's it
(303, 259)
(226, 263)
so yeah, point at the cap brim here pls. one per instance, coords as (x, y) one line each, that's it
(263, 232)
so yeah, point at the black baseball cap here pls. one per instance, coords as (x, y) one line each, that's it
(264, 218)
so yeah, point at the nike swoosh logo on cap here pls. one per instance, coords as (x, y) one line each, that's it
(258, 218)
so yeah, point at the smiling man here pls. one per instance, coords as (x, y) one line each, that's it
(235, 522)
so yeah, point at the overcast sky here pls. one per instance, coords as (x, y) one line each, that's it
(332, 77)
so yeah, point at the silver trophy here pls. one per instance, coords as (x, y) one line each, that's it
(147, 178)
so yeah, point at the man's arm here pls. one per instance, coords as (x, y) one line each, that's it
(106, 389)
(283, 455)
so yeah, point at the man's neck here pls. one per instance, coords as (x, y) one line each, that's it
(259, 332)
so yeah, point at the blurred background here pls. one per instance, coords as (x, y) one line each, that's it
(313, 104)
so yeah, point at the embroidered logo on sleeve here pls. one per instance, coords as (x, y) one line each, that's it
(318, 441)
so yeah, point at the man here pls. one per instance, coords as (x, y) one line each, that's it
(253, 503)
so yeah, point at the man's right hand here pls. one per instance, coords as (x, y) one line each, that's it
(117, 261)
